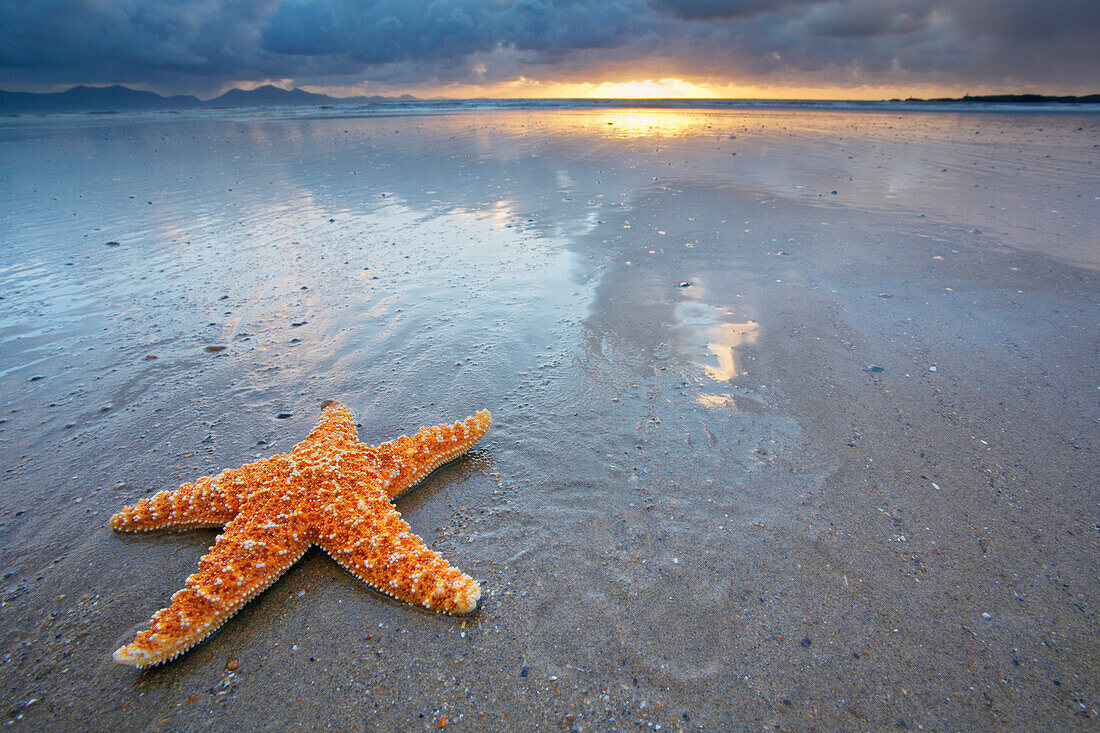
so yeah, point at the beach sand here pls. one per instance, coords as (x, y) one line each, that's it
(795, 413)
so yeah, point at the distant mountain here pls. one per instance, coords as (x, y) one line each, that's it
(124, 99)
(269, 96)
(92, 99)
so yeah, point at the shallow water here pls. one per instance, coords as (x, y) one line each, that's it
(669, 314)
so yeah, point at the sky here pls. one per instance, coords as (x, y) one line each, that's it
(852, 49)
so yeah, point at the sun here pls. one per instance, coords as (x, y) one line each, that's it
(649, 89)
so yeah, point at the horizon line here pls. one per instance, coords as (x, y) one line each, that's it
(398, 95)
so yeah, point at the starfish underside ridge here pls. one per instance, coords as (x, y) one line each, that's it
(330, 490)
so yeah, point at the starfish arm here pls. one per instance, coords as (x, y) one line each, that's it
(209, 502)
(407, 460)
(336, 428)
(371, 540)
(247, 558)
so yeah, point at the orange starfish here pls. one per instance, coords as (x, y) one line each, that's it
(331, 491)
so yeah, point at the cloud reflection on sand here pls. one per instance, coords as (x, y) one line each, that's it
(709, 337)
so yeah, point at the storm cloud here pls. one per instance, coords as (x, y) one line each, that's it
(202, 45)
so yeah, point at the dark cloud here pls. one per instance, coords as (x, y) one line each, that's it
(943, 42)
(398, 30)
(128, 40)
(722, 9)
(374, 33)
(867, 18)
(198, 45)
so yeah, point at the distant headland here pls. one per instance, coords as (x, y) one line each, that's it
(1012, 99)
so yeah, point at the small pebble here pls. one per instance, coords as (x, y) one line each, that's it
(685, 284)
(215, 348)
(873, 368)
(112, 244)
(805, 641)
(283, 415)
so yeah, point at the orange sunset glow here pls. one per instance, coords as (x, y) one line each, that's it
(641, 88)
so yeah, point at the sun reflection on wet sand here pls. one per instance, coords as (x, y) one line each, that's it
(628, 123)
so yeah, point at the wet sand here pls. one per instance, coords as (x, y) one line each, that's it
(795, 413)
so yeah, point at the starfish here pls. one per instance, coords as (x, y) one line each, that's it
(330, 490)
